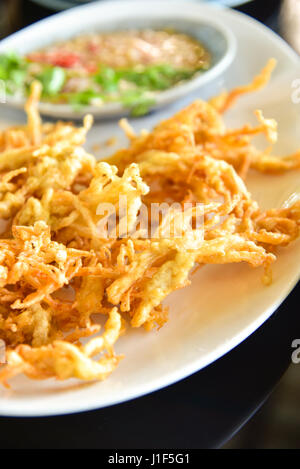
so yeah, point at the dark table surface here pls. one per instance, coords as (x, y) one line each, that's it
(202, 411)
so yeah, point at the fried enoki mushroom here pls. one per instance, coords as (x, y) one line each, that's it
(199, 130)
(86, 240)
(63, 360)
(37, 156)
(35, 132)
(36, 265)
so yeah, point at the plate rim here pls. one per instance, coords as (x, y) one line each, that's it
(17, 409)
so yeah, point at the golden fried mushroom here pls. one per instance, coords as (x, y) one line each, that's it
(63, 266)
(63, 360)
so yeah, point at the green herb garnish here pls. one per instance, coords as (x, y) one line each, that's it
(82, 98)
(13, 70)
(52, 79)
(132, 87)
(108, 78)
(138, 102)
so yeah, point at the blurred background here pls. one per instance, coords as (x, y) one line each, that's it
(15, 14)
(277, 424)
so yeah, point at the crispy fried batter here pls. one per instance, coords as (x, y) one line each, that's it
(59, 271)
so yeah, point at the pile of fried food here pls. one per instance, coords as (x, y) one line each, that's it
(57, 276)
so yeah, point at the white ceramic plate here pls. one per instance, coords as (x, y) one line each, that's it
(107, 16)
(224, 304)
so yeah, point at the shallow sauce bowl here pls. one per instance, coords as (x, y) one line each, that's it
(102, 17)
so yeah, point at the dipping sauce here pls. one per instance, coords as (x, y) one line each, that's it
(130, 67)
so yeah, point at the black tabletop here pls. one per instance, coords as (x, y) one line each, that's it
(202, 411)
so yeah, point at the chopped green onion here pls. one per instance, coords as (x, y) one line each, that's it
(142, 108)
(52, 79)
(108, 78)
(138, 102)
(18, 73)
(83, 98)
(12, 71)
(3, 72)
(18, 77)
(154, 77)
